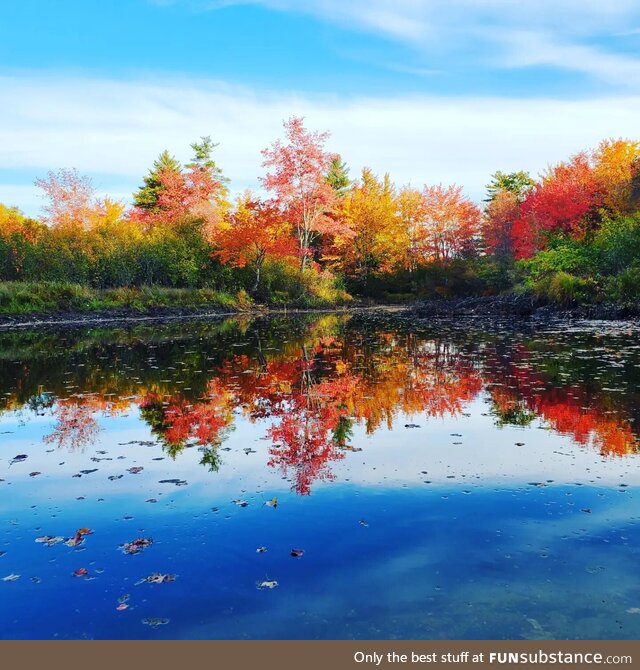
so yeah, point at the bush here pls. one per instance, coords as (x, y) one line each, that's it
(624, 287)
(562, 288)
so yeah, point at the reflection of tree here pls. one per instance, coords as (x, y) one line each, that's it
(75, 426)
(177, 421)
(311, 381)
(313, 427)
(509, 410)
(525, 392)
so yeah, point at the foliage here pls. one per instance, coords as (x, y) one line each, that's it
(40, 297)
(569, 236)
(298, 180)
(517, 183)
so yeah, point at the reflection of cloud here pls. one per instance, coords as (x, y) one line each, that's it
(389, 460)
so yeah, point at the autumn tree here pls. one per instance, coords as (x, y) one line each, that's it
(254, 231)
(450, 224)
(410, 212)
(70, 197)
(369, 214)
(616, 164)
(497, 224)
(298, 179)
(171, 194)
(565, 201)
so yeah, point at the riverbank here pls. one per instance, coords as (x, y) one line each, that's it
(527, 306)
(53, 303)
(124, 316)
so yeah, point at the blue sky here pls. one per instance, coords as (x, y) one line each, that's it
(431, 91)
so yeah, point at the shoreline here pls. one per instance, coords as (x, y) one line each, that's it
(506, 309)
(522, 308)
(125, 316)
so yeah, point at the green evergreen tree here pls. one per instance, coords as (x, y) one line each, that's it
(147, 195)
(338, 176)
(202, 158)
(516, 182)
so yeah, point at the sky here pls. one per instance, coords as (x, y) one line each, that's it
(431, 91)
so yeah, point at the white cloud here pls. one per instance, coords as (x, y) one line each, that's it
(416, 19)
(526, 49)
(114, 130)
(503, 33)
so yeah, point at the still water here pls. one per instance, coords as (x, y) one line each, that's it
(328, 476)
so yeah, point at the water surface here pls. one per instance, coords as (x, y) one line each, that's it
(430, 481)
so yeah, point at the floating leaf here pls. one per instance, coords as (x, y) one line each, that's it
(268, 584)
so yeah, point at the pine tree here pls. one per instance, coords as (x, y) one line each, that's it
(338, 176)
(147, 195)
(202, 158)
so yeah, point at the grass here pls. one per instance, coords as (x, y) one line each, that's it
(42, 297)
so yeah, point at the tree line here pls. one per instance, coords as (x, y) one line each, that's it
(313, 232)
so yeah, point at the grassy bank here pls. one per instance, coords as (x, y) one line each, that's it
(45, 297)
(18, 298)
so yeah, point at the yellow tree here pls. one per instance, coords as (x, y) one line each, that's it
(411, 213)
(369, 211)
(616, 163)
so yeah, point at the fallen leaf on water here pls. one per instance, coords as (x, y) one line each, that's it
(156, 578)
(137, 545)
(154, 622)
(75, 541)
(240, 503)
(177, 482)
(50, 540)
(268, 584)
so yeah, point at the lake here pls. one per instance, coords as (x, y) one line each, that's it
(321, 476)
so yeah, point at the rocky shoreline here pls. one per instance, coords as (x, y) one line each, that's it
(124, 316)
(517, 309)
(511, 306)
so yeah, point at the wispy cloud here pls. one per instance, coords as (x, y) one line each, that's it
(528, 49)
(114, 129)
(560, 34)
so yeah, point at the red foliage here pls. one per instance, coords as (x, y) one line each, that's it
(182, 194)
(560, 203)
(298, 182)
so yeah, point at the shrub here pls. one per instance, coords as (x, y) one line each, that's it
(562, 288)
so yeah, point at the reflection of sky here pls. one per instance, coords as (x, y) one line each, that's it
(454, 529)
(468, 451)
